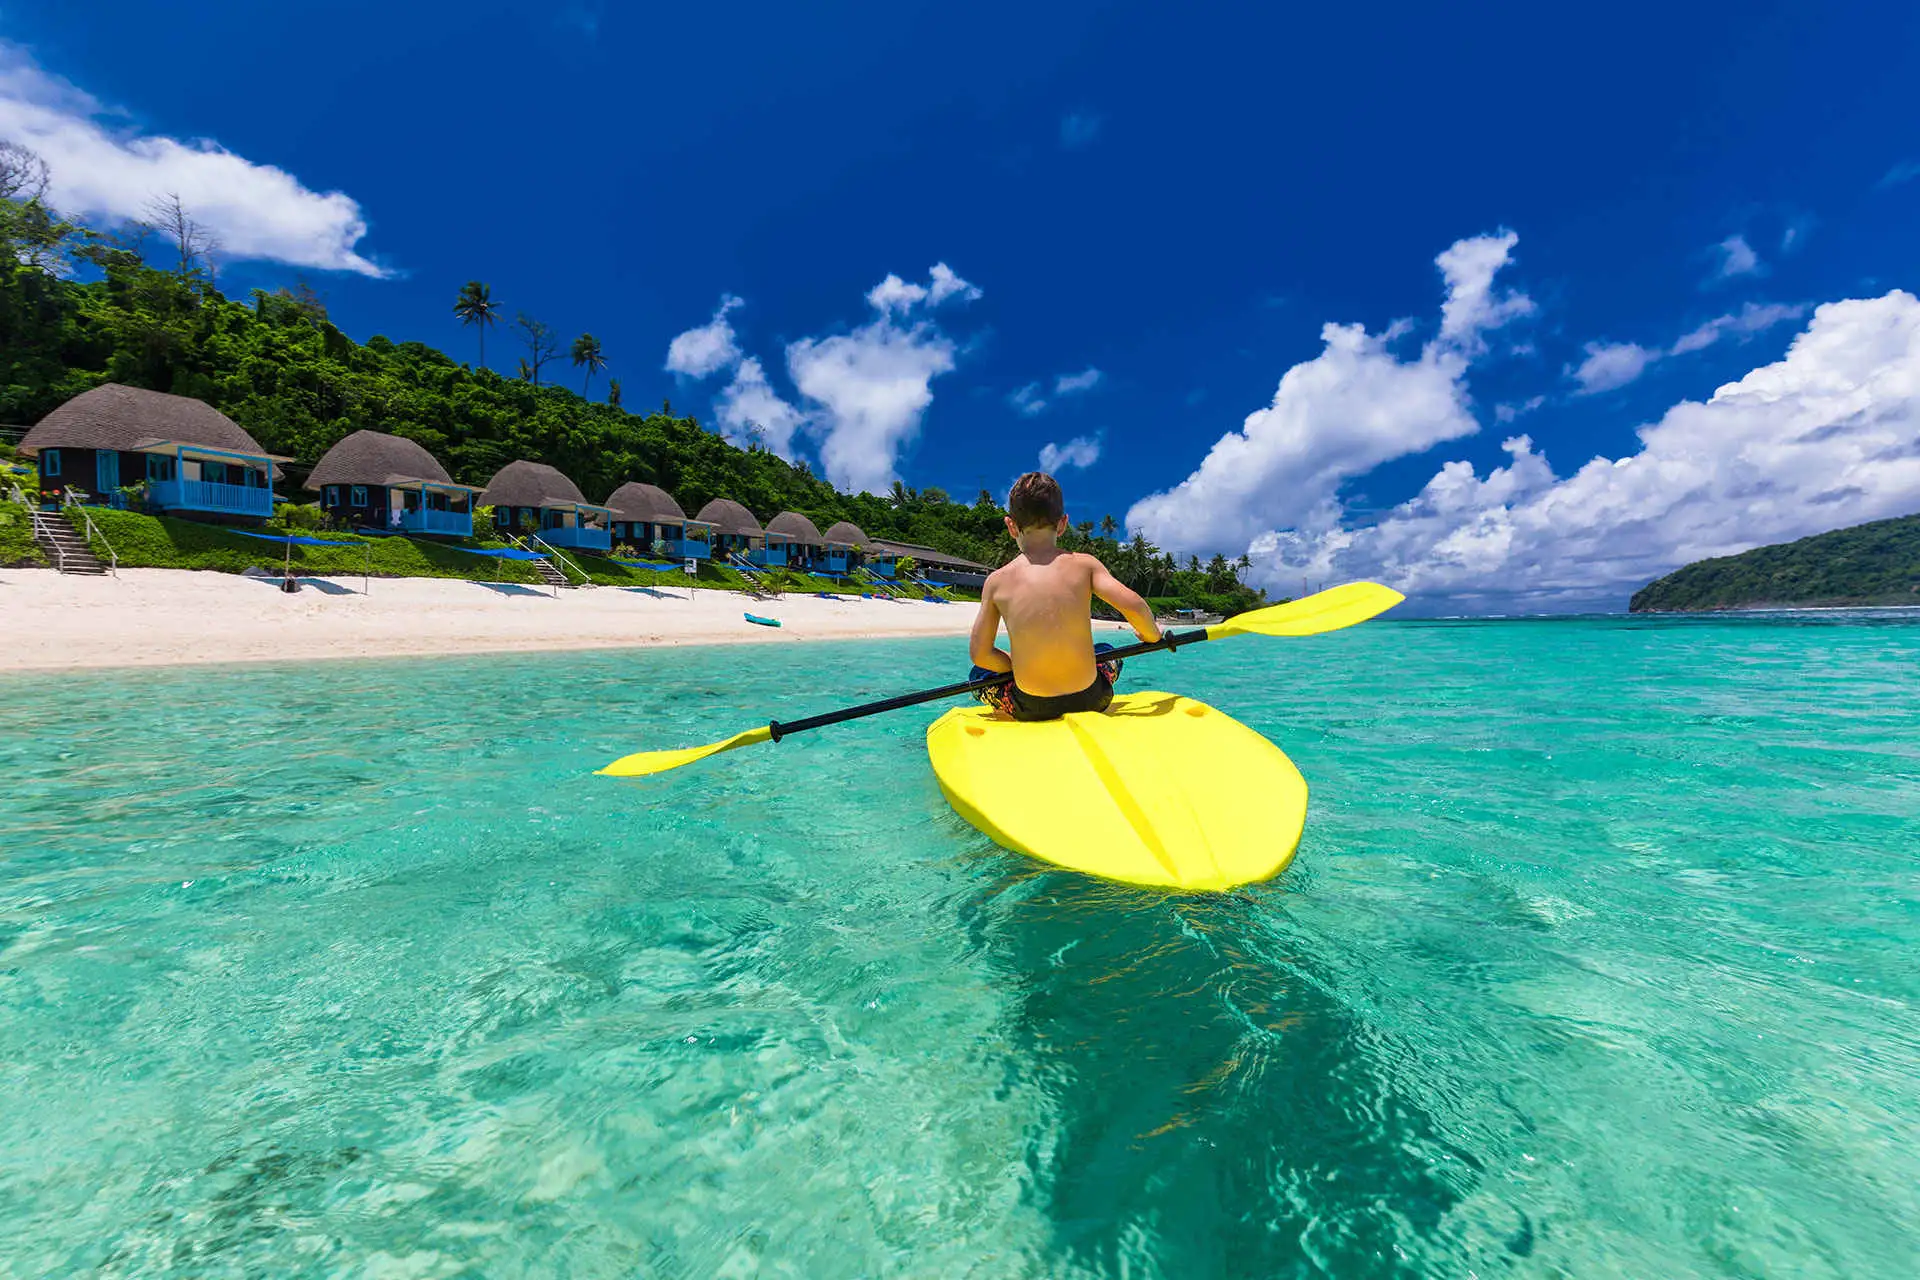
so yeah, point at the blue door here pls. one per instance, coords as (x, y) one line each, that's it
(106, 475)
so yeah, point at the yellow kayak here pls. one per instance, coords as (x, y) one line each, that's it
(1157, 790)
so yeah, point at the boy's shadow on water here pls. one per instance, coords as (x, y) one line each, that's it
(1212, 1106)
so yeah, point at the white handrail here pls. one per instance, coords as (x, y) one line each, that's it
(562, 557)
(753, 576)
(92, 532)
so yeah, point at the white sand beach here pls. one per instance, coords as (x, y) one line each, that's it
(149, 617)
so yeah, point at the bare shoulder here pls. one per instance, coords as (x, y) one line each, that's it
(1089, 562)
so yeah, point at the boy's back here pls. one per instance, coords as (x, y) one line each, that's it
(1045, 595)
(1046, 599)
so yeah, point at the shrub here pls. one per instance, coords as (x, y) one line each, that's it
(17, 546)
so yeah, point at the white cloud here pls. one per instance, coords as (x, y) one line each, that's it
(1081, 451)
(1905, 171)
(1472, 307)
(872, 387)
(1751, 319)
(1825, 437)
(1078, 129)
(948, 285)
(103, 169)
(895, 295)
(750, 410)
(697, 353)
(1032, 400)
(1339, 415)
(864, 391)
(1611, 364)
(1737, 258)
(1069, 384)
(1504, 413)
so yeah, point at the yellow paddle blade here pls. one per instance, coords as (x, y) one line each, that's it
(1328, 610)
(642, 763)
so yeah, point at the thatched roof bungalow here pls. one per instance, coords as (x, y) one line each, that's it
(806, 546)
(532, 497)
(847, 534)
(188, 457)
(646, 518)
(390, 482)
(932, 565)
(736, 532)
(797, 529)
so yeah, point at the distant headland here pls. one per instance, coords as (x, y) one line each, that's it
(1868, 564)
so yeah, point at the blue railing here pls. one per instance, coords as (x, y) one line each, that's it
(880, 568)
(579, 538)
(207, 495)
(834, 563)
(768, 557)
(690, 548)
(457, 523)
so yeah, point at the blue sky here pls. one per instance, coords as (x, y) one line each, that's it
(1178, 199)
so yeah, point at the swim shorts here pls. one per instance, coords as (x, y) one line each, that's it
(1021, 705)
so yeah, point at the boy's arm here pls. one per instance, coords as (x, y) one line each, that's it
(986, 629)
(1126, 600)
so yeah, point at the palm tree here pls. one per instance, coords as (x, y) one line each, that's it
(613, 392)
(1108, 525)
(586, 351)
(476, 306)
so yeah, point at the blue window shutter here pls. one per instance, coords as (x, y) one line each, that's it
(50, 462)
(359, 495)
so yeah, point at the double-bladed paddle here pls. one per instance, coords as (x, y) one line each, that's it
(1324, 611)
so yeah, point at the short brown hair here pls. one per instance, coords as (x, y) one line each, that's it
(1035, 501)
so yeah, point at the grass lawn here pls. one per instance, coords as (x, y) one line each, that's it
(17, 546)
(159, 542)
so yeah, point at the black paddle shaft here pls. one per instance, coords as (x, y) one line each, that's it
(1170, 641)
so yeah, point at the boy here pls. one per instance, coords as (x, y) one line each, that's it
(1045, 594)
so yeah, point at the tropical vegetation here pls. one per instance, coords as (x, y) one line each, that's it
(1868, 564)
(81, 305)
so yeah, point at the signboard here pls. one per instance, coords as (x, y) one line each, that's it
(692, 566)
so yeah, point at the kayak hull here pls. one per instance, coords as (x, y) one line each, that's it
(1157, 790)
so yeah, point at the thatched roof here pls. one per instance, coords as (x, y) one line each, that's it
(372, 457)
(645, 504)
(728, 516)
(113, 416)
(847, 534)
(796, 527)
(927, 555)
(531, 484)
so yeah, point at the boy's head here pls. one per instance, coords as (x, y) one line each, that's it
(1035, 505)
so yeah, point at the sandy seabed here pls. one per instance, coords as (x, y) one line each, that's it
(155, 617)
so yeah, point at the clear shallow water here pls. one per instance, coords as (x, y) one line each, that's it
(1599, 959)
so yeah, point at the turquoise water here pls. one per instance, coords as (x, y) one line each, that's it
(1599, 959)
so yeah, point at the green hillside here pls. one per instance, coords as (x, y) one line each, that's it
(79, 307)
(1876, 563)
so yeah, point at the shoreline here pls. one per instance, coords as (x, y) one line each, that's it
(149, 618)
(180, 617)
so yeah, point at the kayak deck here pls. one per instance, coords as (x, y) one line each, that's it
(1157, 790)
